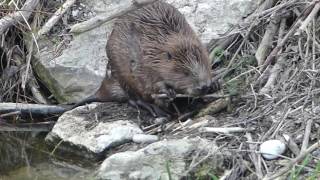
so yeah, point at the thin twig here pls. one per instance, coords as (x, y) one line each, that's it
(38, 109)
(101, 19)
(18, 16)
(291, 144)
(276, 68)
(267, 40)
(305, 142)
(256, 159)
(165, 96)
(308, 19)
(55, 17)
(14, 113)
(27, 127)
(225, 130)
(292, 30)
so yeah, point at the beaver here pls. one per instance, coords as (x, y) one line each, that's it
(154, 50)
(109, 90)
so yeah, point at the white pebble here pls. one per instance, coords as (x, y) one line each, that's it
(272, 148)
(75, 13)
(144, 138)
(160, 120)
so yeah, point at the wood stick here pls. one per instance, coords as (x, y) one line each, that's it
(10, 114)
(294, 148)
(305, 142)
(11, 19)
(101, 19)
(31, 82)
(199, 124)
(34, 109)
(45, 29)
(164, 96)
(277, 67)
(267, 40)
(307, 21)
(260, 11)
(274, 8)
(226, 130)
(56, 16)
(292, 30)
(256, 158)
(27, 127)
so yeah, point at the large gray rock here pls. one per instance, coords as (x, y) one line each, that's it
(75, 70)
(210, 18)
(90, 130)
(156, 160)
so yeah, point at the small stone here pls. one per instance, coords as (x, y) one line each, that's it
(271, 149)
(316, 153)
(75, 13)
(144, 138)
(160, 120)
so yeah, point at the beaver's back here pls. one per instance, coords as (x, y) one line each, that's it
(133, 46)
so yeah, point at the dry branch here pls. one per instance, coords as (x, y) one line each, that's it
(292, 30)
(27, 127)
(196, 125)
(31, 82)
(267, 40)
(305, 142)
(214, 107)
(294, 148)
(263, 8)
(256, 159)
(268, 9)
(164, 96)
(19, 16)
(276, 68)
(101, 19)
(34, 109)
(311, 16)
(226, 130)
(56, 16)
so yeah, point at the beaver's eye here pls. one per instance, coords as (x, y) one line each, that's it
(187, 73)
(169, 56)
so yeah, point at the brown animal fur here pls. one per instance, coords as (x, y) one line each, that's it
(154, 50)
(109, 90)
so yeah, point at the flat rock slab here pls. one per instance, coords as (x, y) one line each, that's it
(157, 159)
(90, 130)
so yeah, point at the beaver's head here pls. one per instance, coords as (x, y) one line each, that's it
(182, 64)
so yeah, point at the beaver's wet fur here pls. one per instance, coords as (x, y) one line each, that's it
(154, 50)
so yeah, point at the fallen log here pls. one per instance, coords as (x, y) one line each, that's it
(33, 109)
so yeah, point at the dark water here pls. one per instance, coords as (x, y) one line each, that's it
(25, 156)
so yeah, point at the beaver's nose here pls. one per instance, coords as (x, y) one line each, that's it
(204, 89)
